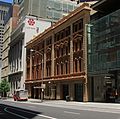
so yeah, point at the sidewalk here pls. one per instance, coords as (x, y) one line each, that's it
(71, 103)
(89, 106)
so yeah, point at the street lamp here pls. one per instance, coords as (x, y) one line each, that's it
(33, 50)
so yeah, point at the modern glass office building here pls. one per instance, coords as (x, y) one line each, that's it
(105, 43)
(4, 8)
(104, 55)
(47, 9)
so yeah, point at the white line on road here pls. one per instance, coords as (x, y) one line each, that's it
(32, 106)
(46, 116)
(40, 115)
(14, 114)
(71, 112)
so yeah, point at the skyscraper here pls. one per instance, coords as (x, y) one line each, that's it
(4, 8)
(10, 23)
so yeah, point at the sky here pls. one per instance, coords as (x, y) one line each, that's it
(10, 1)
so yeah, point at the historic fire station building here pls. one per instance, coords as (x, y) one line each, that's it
(57, 59)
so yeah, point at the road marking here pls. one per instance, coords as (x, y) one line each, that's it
(32, 106)
(48, 117)
(5, 109)
(71, 112)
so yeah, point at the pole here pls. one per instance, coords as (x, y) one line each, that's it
(49, 89)
(42, 96)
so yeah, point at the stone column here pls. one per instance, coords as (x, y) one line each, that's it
(64, 67)
(52, 57)
(34, 92)
(59, 68)
(35, 72)
(85, 57)
(74, 66)
(71, 91)
(78, 45)
(71, 52)
(29, 89)
(78, 66)
(44, 57)
(58, 91)
(56, 69)
(53, 92)
(30, 65)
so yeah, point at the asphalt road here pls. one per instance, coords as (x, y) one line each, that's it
(14, 110)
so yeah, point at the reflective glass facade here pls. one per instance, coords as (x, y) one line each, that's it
(47, 9)
(104, 44)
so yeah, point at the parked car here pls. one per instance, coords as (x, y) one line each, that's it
(20, 95)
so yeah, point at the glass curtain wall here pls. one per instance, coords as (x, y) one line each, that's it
(104, 49)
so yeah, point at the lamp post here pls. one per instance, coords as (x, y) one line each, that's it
(32, 50)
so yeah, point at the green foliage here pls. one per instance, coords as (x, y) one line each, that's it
(4, 87)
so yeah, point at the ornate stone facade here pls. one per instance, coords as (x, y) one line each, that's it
(62, 48)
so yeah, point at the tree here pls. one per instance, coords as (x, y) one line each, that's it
(4, 87)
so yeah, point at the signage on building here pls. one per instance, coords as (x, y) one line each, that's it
(37, 25)
(31, 22)
(34, 26)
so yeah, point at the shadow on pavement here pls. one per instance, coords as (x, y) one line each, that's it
(11, 112)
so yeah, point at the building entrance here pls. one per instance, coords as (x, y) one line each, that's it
(32, 92)
(79, 92)
(110, 92)
(36, 93)
(65, 91)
